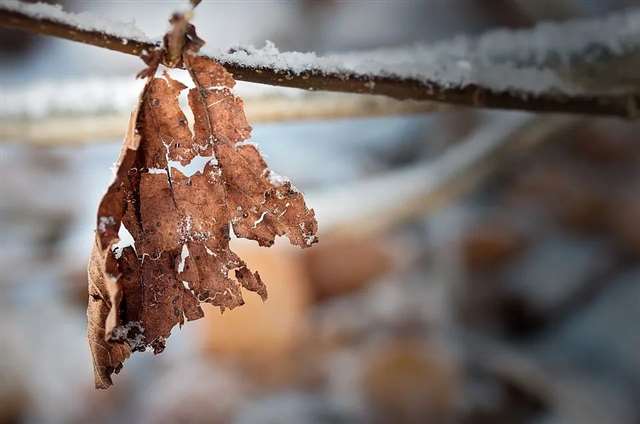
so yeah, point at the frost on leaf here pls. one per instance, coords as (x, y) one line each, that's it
(181, 224)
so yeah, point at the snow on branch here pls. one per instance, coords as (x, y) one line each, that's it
(82, 21)
(580, 66)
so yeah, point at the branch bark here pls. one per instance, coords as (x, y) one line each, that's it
(622, 105)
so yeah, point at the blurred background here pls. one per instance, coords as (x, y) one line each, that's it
(473, 267)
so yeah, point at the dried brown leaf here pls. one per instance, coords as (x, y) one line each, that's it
(181, 223)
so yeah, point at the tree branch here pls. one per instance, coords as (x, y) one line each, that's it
(45, 26)
(622, 104)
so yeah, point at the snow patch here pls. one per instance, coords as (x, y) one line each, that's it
(276, 179)
(156, 170)
(534, 60)
(132, 333)
(187, 233)
(85, 21)
(548, 58)
(104, 222)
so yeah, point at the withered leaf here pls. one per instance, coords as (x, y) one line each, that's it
(181, 223)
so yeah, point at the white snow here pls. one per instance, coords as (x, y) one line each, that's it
(253, 144)
(85, 21)
(122, 333)
(104, 222)
(276, 179)
(503, 60)
(541, 59)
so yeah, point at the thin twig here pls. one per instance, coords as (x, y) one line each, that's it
(623, 104)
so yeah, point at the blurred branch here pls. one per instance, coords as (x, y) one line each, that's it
(377, 204)
(102, 127)
(315, 78)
